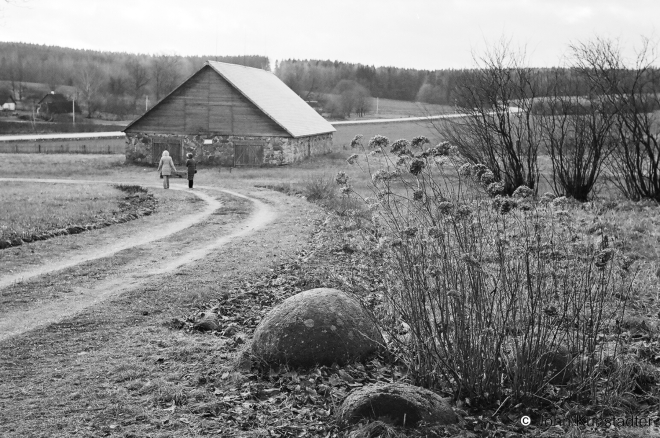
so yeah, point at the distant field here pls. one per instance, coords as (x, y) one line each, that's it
(389, 108)
(393, 131)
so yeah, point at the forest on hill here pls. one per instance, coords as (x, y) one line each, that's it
(122, 85)
(103, 82)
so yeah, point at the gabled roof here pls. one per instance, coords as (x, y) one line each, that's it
(7, 99)
(274, 98)
(54, 97)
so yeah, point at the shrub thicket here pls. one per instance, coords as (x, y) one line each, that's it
(498, 297)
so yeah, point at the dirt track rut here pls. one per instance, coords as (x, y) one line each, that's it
(149, 266)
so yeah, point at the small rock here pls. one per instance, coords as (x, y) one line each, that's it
(208, 323)
(399, 403)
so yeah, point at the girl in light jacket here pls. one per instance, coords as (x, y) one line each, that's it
(166, 168)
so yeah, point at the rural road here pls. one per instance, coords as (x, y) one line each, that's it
(41, 314)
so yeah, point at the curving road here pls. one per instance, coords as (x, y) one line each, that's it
(21, 321)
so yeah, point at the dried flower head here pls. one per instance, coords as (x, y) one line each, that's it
(495, 189)
(445, 208)
(523, 192)
(352, 159)
(557, 202)
(357, 141)
(419, 141)
(402, 161)
(416, 167)
(443, 149)
(478, 170)
(418, 195)
(341, 178)
(487, 178)
(401, 146)
(504, 204)
(378, 141)
(383, 175)
(345, 190)
(465, 170)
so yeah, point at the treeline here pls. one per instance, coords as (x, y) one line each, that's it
(328, 82)
(107, 82)
(312, 77)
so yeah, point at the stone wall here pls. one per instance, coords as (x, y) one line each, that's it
(219, 150)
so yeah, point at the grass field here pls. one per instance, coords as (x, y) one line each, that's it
(31, 208)
(394, 131)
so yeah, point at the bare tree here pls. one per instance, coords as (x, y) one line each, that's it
(138, 78)
(498, 129)
(88, 81)
(165, 74)
(17, 76)
(577, 132)
(632, 93)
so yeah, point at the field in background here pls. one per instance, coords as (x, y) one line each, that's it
(394, 131)
(391, 109)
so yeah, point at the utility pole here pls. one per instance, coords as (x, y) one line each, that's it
(73, 110)
(376, 105)
(146, 103)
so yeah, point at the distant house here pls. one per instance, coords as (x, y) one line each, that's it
(230, 115)
(8, 103)
(55, 103)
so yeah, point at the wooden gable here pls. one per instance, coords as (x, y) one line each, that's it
(206, 104)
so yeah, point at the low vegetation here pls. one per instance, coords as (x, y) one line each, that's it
(35, 211)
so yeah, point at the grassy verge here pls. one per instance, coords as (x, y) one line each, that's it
(36, 211)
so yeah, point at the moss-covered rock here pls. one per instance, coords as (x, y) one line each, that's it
(398, 403)
(318, 326)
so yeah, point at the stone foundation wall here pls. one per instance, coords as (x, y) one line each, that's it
(220, 150)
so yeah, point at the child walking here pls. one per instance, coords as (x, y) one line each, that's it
(192, 169)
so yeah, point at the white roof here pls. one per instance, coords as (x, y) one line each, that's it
(274, 98)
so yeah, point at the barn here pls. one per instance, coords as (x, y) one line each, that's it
(55, 103)
(230, 115)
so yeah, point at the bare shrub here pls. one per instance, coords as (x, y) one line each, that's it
(498, 298)
(498, 129)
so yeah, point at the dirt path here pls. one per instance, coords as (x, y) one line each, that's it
(129, 277)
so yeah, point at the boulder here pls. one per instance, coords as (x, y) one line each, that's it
(318, 326)
(399, 403)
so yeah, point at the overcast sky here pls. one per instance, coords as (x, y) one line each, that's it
(422, 34)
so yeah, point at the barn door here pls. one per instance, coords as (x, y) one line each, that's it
(248, 154)
(173, 146)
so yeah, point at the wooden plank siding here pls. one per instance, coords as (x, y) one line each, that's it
(207, 104)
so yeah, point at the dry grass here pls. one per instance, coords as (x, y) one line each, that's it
(30, 208)
(59, 165)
